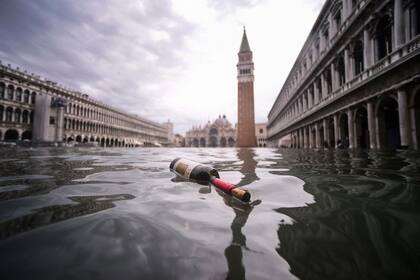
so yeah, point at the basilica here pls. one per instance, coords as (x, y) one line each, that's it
(219, 133)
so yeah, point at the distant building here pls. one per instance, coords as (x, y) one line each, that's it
(220, 133)
(32, 108)
(170, 130)
(246, 115)
(261, 133)
(179, 140)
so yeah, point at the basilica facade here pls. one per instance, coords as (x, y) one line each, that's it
(219, 133)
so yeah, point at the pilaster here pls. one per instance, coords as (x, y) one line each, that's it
(403, 116)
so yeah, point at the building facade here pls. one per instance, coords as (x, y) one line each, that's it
(246, 116)
(261, 134)
(220, 133)
(32, 108)
(356, 80)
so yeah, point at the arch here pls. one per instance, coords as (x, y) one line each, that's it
(361, 128)
(92, 139)
(388, 123)
(383, 35)
(195, 142)
(358, 57)
(213, 141)
(26, 94)
(111, 142)
(27, 135)
(11, 135)
(10, 92)
(79, 139)
(231, 142)
(103, 142)
(2, 90)
(70, 139)
(9, 113)
(213, 131)
(17, 115)
(85, 139)
(223, 142)
(341, 71)
(344, 131)
(19, 94)
(202, 142)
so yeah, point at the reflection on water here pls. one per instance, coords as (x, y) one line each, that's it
(120, 213)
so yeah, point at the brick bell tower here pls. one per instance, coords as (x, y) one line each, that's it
(246, 118)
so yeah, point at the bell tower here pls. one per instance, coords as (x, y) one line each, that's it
(246, 117)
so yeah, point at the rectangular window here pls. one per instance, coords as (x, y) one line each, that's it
(52, 120)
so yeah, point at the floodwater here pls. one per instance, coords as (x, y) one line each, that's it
(91, 213)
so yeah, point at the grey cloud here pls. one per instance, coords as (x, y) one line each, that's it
(230, 6)
(119, 49)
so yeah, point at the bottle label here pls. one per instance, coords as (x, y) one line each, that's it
(184, 167)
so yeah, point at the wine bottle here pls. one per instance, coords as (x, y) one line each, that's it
(203, 174)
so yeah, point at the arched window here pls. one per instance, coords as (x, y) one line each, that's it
(341, 70)
(358, 57)
(26, 96)
(384, 37)
(19, 94)
(1, 112)
(9, 113)
(2, 90)
(10, 91)
(17, 115)
(25, 116)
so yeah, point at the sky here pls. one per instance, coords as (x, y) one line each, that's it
(160, 59)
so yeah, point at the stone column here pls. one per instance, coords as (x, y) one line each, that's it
(336, 131)
(398, 23)
(345, 10)
(347, 65)
(371, 125)
(315, 92)
(302, 138)
(310, 100)
(351, 128)
(305, 101)
(326, 132)
(323, 86)
(317, 137)
(403, 116)
(367, 55)
(311, 140)
(334, 85)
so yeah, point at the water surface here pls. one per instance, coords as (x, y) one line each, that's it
(120, 214)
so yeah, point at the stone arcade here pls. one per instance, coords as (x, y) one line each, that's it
(355, 83)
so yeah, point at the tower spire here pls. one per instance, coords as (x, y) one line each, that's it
(244, 44)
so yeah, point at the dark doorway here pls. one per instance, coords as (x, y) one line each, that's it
(78, 138)
(27, 135)
(344, 131)
(389, 127)
(362, 129)
(331, 133)
(11, 135)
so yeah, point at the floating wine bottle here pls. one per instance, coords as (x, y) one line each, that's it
(203, 174)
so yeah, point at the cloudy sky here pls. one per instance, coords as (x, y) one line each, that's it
(162, 59)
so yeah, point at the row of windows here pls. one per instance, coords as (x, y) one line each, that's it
(12, 115)
(244, 71)
(12, 94)
(380, 45)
